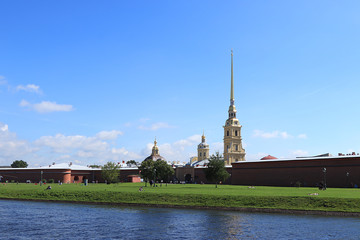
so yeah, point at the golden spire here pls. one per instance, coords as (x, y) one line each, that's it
(155, 142)
(232, 110)
(232, 81)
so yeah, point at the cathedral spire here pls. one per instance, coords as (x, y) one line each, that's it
(232, 81)
(232, 109)
(233, 150)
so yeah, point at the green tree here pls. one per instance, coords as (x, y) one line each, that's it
(110, 172)
(94, 166)
(155, 170)
(147, 170)
(132, 162)
(19, 164)
(215, 171)
(163, 170)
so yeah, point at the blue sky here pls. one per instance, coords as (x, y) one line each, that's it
(96, 81)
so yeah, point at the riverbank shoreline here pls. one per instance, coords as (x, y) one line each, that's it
(335, 202)
(239, 209)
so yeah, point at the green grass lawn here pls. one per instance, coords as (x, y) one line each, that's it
(332, 199)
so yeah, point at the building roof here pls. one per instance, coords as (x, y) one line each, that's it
(204, 162)
(268, 157)
(300, 159)
(155, 157)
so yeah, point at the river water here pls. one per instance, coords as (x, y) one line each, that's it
(42, 220)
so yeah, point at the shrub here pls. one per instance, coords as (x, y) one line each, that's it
(51, 180)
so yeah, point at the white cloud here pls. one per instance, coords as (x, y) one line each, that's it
(84, 154)
(109, 135)
(64, 144)
(29, 88)
(122, 153)
(4, 127)
(155, 126)
(86, 149)
(180, 150)
(276, 134)
(47, 107)
(99, 148)
(64, 157)
(24, 103)
(285, 135)
(302, 136)
(190, 141)
(12, 148)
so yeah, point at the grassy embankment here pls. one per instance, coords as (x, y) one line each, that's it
(333, 199)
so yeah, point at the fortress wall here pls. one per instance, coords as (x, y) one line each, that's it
(307, 172)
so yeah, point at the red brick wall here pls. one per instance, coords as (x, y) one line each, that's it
(307, 172)
(200, 176)
(34, 175)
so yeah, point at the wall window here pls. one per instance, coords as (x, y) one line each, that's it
(236, 132)
(200, 154)
(227, 133)
(236, 147)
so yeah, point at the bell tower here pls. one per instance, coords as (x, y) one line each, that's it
(203, 149)
(233, 150)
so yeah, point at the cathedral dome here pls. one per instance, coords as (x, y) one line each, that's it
(268, 157)
(155, 153)
(203, 145)
(155, 157)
